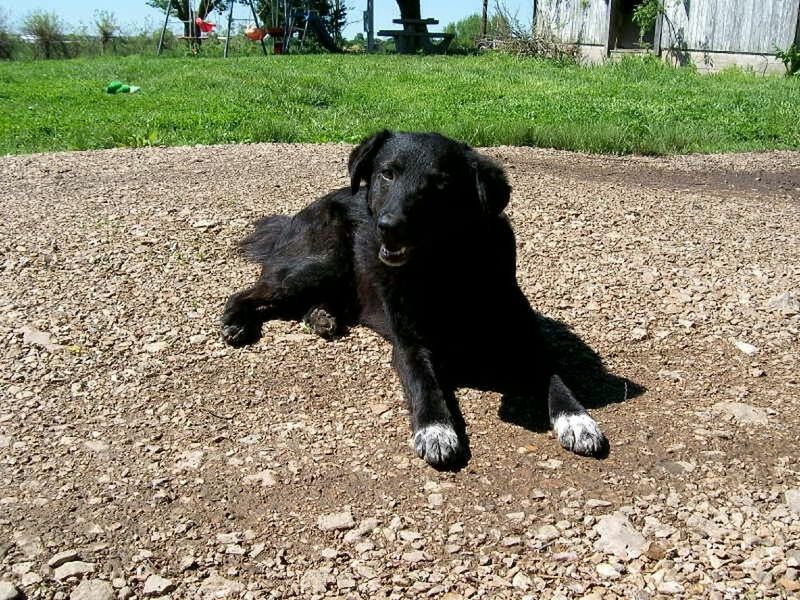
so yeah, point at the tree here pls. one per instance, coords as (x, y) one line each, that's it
(181, 8)
(106, 24)
(48, 31)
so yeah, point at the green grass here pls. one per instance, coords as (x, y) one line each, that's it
(631, 107)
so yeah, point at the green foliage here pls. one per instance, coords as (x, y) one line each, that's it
(639, 106)
(107, 27)
(7, 41)
(645, 15)
(468, 30)
(790, 58)
(48, 31)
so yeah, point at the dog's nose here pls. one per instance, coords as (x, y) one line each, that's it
(390, 223)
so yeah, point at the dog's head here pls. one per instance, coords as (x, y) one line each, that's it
(423, 187)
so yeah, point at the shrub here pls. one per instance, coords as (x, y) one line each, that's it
(7, 42)
(48, 33)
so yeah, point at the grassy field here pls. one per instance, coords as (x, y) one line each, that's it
(631, 107)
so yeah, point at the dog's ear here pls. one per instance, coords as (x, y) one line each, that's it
(359, 165)
(494, 191)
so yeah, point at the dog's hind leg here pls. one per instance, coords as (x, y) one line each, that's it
(575, 429)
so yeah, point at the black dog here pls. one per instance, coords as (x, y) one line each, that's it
(425, 257)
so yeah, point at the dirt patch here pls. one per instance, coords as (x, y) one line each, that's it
(132, 439)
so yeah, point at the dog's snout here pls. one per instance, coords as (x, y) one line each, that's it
(390, 223)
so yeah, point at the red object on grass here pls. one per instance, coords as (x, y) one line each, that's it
(204, 26)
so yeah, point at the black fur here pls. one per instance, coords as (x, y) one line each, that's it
(424, 255)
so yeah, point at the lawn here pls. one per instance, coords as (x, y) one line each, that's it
(631, 107)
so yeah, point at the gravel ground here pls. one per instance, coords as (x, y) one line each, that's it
(141, 457)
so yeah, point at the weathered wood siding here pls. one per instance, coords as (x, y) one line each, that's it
(746, 26)
(574, 21)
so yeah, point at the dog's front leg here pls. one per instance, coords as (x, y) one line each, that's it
(435, 438)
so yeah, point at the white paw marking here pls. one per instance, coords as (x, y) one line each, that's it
(579, 434)
(437, 444)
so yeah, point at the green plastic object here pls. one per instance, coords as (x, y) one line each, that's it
(117, 87)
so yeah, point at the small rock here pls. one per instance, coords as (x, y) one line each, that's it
(316, 581)
(345, 582)
(748, 349)
(416, 556)
(31, 545)
(30, 579)
(743, 414)
(638, 334)
(204, 224)
(125, 593)
(606, 571)
(595, 503)
(618, 537)
(788, 584)
(336, 521)
(59, 559)
(155, 347)
(793, 500)
(155, 585)
(42, 339)
(551, 463)
(329, 553)
(73, 569)
(435, 500)
(263, 478)
(784, 303)
(8, 591)
(669, 587)
(96, 446)
(189, 460)
(234, 537)
(670, 375)
(547, 533)
(677, 467)
(216, 586)
(655, 551)
(521, 581)
(198, 339)
(93, 589)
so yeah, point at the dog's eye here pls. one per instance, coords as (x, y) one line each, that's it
(387, 174)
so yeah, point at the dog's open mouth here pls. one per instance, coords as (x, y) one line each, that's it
(393, 258)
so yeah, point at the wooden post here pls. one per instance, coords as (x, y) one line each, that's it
(164, 29)
(369, 25)
(657, 33)
(484, 18)
(228, 34)
(609, 18)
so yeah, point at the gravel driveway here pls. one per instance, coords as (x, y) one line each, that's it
(141, 457)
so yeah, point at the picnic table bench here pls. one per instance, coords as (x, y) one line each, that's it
(404, 38)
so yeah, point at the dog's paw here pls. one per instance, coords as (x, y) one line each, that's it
(438, 444)
(580, 434)
(322, 323)
(236, 334)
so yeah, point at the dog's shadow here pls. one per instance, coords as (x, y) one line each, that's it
(581, 369)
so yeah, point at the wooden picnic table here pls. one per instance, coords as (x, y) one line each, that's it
(406, 39)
